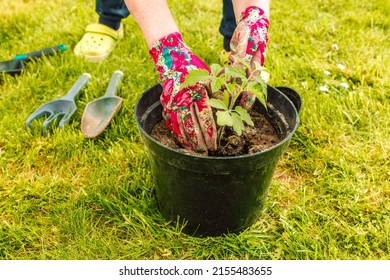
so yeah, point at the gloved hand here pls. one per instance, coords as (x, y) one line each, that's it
(185, 110)
(249, 42)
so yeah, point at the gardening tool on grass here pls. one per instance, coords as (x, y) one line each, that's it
(60, 109)
(16, 65)
(98, 113)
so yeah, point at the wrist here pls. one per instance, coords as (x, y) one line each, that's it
(253, 14)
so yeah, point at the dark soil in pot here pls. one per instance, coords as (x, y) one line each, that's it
(254, 139)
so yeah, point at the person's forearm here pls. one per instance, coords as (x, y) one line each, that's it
(153, 18)
(240, 5)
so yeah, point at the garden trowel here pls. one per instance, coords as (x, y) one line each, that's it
(98, 113)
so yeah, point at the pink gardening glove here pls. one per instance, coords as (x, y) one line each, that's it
(249, 41)
(185, 111)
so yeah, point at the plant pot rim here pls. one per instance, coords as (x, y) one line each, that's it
(147, 134)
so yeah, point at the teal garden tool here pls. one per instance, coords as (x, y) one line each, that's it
(60, 109)
(16, 65)
(98, 113)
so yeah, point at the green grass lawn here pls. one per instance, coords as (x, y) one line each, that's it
(66, 197)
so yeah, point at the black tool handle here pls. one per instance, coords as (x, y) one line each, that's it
(36, 54)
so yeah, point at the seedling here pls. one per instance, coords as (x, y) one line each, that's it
(225, 84)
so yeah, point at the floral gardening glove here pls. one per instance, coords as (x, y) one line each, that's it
(185, 110)
(248, 42)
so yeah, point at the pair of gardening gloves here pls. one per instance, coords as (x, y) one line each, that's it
(185, 110)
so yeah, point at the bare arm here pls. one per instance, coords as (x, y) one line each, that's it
(192, 122)
(240, 5)
(153, 18)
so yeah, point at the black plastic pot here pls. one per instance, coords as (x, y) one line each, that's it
(214, 195)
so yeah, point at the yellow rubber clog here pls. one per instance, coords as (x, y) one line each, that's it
(98, 42)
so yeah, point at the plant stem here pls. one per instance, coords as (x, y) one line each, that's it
(220, 133)
(249, 78)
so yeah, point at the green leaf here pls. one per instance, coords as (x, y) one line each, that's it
(215, 69)
(226, 98)
(258, 66)
(238, 125)
(244, 115)
(265, 76)
(260, 81)
(217, 103)
(258, 90)
(234, 71)
(242, 61)
(224, 118)
(195, 76)
(216, 84)
(253, 85)
(230, 87)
